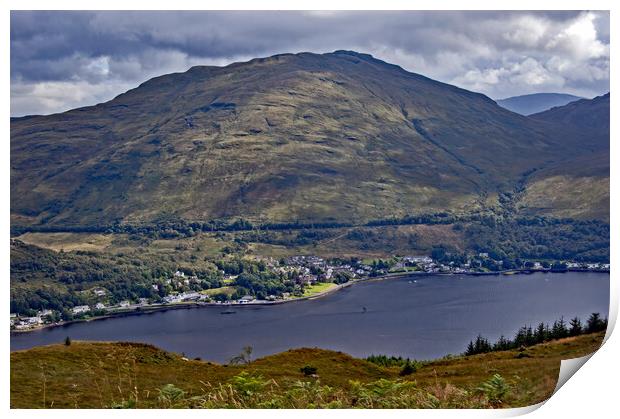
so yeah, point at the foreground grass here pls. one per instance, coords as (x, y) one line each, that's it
(105, 375)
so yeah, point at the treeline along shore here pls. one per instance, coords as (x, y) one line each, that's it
(226, 306)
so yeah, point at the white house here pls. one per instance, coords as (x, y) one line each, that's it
(418, 259)
(32, 320)
(189, 296)
(172, 298)
(80, 309)
(22, 326)
(246, 299)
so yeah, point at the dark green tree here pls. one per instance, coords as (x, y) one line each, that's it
(541, 335)
(559, 329)
(502, 344)
(576, 327)
(308, 370)
(595, 323)
(407, 369)
(479, 346)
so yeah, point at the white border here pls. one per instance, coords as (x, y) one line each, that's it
(592, 392)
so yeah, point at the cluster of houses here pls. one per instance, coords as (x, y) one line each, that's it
(587, 266)
(26, 323)
(178, 280)
(185, 297)
(312, 269)
(428, 265)
(307, 270)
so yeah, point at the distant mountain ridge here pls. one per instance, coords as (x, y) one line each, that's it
(552, 189)
(592, 115)
(537, 102)
(292, 137)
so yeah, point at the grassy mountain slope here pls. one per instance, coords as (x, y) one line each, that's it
(537, 102)
(588, 116)
(577, 187)
(339, 136)
(101, 375)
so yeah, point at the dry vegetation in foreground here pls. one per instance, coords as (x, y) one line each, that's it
(107, 375)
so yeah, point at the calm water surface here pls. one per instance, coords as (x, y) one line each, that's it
(422, 317)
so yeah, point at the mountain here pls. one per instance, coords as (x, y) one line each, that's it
(341, 136)
(537, 102)
(577, 186)
(591, 117)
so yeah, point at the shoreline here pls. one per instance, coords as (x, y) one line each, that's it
(153, 308)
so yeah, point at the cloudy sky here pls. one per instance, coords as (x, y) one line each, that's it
(62, 60)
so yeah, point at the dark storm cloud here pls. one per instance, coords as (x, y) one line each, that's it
(61, 60)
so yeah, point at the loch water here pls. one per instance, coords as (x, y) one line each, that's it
(421, 317)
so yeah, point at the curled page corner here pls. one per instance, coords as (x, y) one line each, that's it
(521, 411)
(568, 368)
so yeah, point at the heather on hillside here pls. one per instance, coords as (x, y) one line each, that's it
(133, 375)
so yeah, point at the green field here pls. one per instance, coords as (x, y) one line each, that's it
(318, 288)
(221, 290)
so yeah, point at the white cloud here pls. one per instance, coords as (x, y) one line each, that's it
(528, 75)
(481, 80)
(526, 31)
(579, 39)
(99, 66)
(531, 72)
(497, 53)
(58, 96)
(540, 54)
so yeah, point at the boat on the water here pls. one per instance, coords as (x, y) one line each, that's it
(228, 312)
